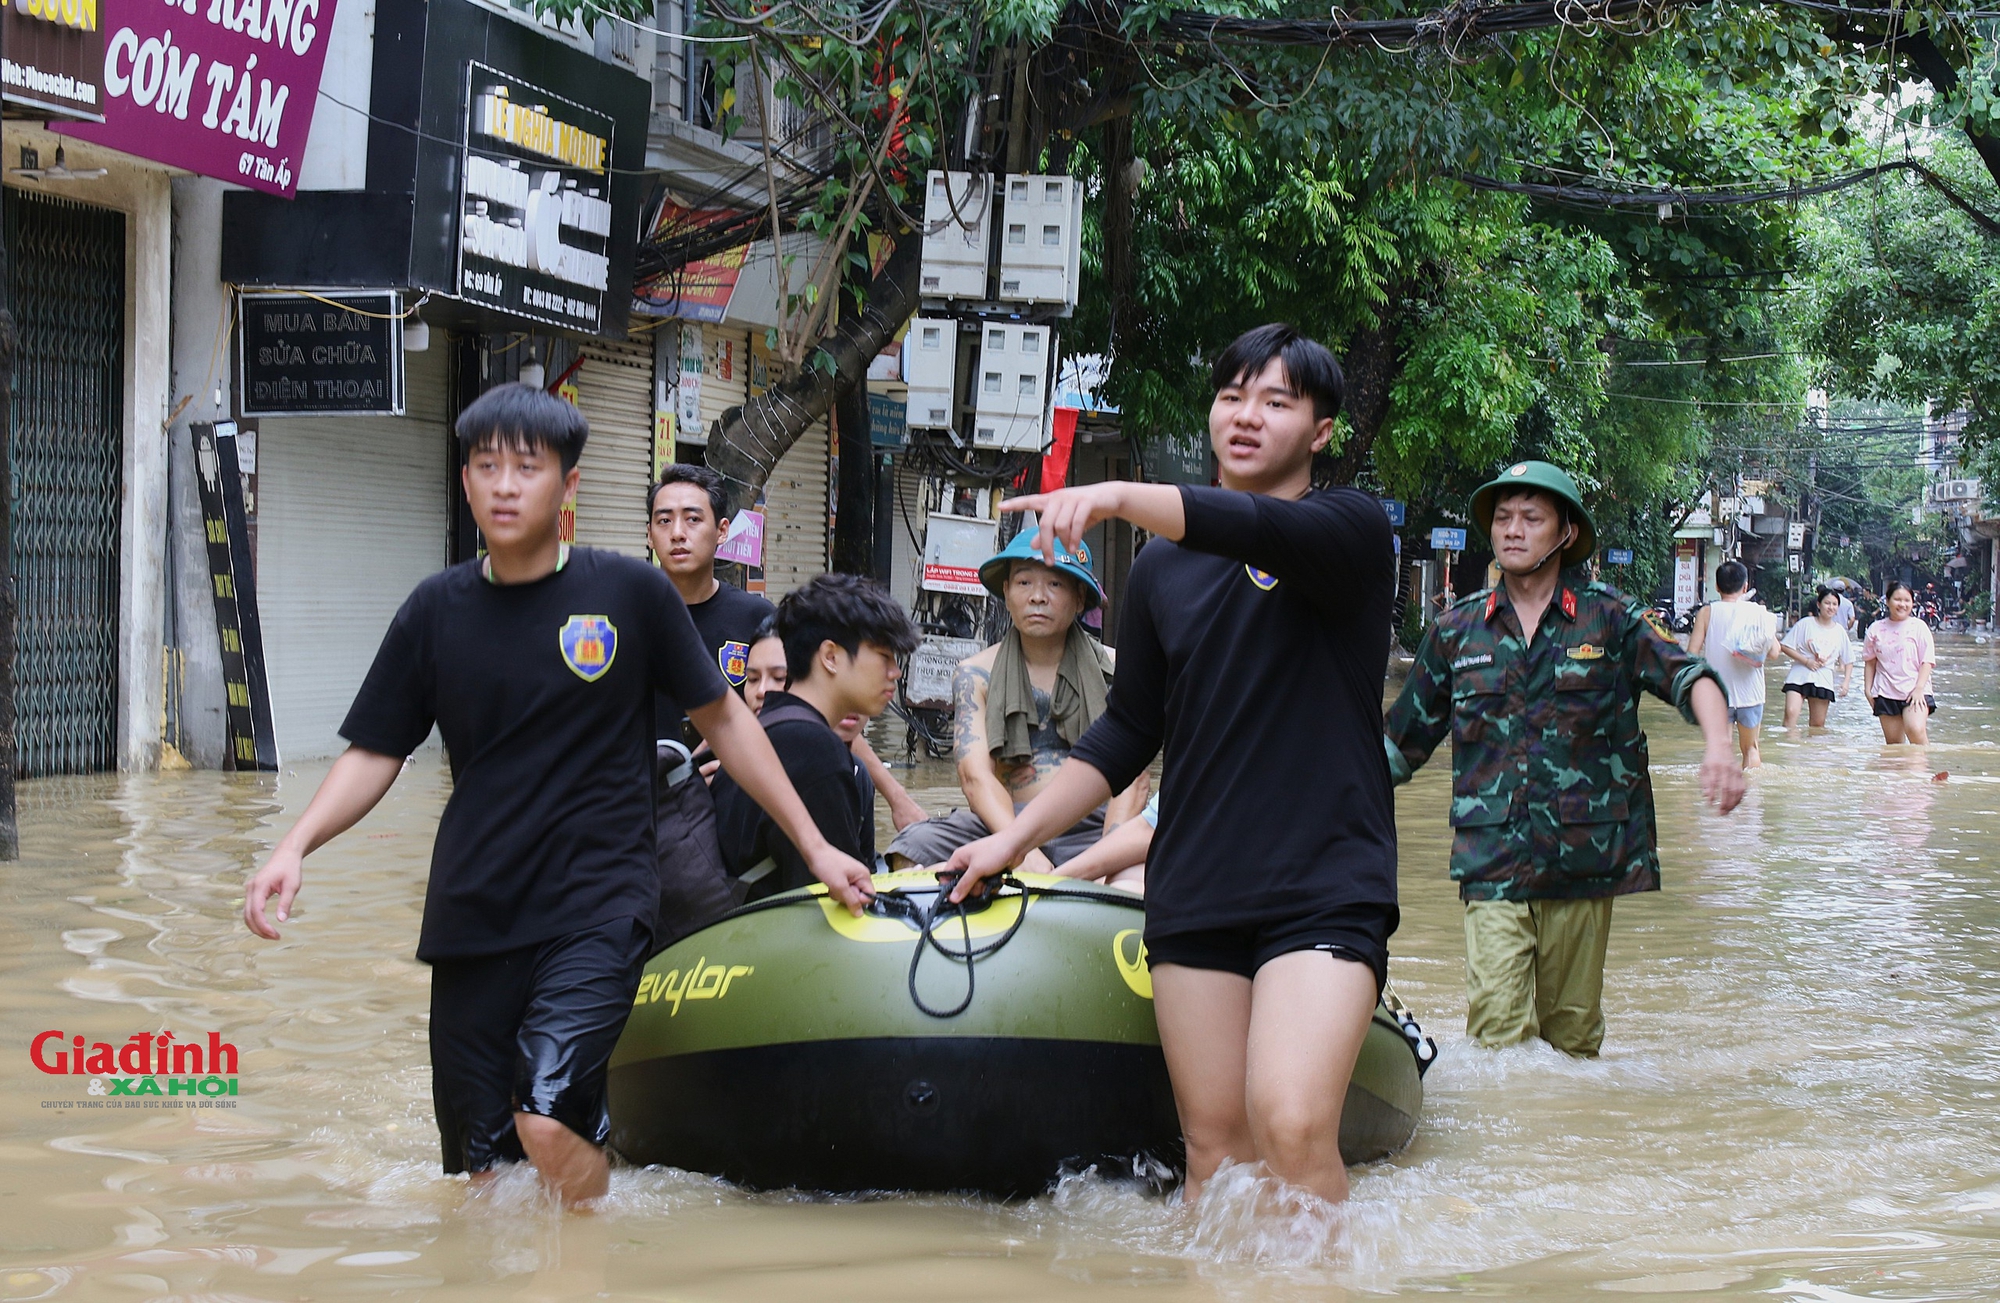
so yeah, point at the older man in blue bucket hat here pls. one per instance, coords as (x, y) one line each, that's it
(1021, 704)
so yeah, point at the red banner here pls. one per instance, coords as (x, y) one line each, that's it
(1062, 437)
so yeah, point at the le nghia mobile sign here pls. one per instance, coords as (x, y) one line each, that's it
(321, 355)
(534, 206)
(225, 88)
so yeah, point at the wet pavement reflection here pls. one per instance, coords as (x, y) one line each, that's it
(1797, 1098)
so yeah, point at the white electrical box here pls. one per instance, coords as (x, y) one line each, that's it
(958, 228)
(1041, 244)
(931, 350)
(1010, 386)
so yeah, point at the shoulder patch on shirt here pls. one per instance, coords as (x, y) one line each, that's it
(1467, 662)
(589, 644)
(1657, 625)
(1259, 578)
(1586, 651)
(733, 659)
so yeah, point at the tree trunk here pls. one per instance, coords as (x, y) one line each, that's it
(854, 500)
(1373, 363)
(747, 441)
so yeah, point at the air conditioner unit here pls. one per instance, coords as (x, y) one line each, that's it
(958, 210)
(931, 350)
(1041, 239)
(1954, 490)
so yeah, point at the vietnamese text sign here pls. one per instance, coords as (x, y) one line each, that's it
(534, 224)
(327, 355)
(54, 57)
(218, 87)
(1396, 512)
(1618, 556)
(1687, 577)
(954, 546)
(745, 541)
(1446, 539)
(700, 289)
(888, 420)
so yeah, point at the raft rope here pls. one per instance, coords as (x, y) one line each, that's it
(928, 920)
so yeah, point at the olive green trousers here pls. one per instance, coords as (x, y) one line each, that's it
(1536, 968)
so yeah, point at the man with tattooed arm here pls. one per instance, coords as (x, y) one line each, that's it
(1021, 705)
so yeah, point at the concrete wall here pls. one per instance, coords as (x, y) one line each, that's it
(203, 362)
(141, 192)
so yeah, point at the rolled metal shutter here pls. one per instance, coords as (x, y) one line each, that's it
(796, 511)
(352, 515)
(614, 391)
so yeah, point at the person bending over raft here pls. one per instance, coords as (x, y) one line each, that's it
(842, 635)
(1021, 705)
(1253, 648)
(539, 668)
(1537, 684)
(766, 673)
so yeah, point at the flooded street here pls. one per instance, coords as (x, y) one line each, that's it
(1797, 1098)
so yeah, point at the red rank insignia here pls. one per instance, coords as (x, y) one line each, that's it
(1569, 603)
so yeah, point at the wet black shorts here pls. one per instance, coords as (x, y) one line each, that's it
(1811, 690)
(529, 1030)
(1891, 706)
(1356, 932)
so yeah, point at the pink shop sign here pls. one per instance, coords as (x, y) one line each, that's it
(225, 88)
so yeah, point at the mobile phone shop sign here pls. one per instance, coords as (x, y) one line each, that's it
(534, 220)
(321, 355)
(225, 88)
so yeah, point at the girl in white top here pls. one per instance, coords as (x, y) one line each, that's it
(1819, 645)
(1900, 654)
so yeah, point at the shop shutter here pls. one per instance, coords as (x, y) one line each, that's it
(614, 391)
(352, 514)
(795, 514)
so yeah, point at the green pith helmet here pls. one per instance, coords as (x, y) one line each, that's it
(994, 570)
(1550, 479)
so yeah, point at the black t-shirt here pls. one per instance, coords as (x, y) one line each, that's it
(827, 778)
(544, 695)
(727, 623)
(1255, 650)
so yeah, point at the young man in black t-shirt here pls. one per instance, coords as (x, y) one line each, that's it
(539, 669)
(842, 635)
(1252, 646)
(687, 519)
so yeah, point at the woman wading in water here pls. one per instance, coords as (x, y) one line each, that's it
(1820, 645)
(1900, 655)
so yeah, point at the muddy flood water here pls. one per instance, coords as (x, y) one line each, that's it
(1798, 1097)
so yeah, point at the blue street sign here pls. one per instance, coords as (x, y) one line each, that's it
(1395, 510)
(1618, 556)
(1446, 539)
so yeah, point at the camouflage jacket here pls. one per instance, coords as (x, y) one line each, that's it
(1550, 796)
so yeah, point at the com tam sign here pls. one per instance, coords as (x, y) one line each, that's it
(225, 88)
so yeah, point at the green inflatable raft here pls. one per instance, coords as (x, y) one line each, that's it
(924, 1047)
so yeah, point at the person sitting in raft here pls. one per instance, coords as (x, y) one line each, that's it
(1119, 857)
(1021, 704)
(764, 672)
(842, 635)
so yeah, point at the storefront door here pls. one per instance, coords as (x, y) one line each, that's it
(68, 458)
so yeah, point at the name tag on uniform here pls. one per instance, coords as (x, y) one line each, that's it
(1586, 651)
(1467, 662)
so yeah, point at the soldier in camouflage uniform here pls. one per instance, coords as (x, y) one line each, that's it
(1537, 683)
